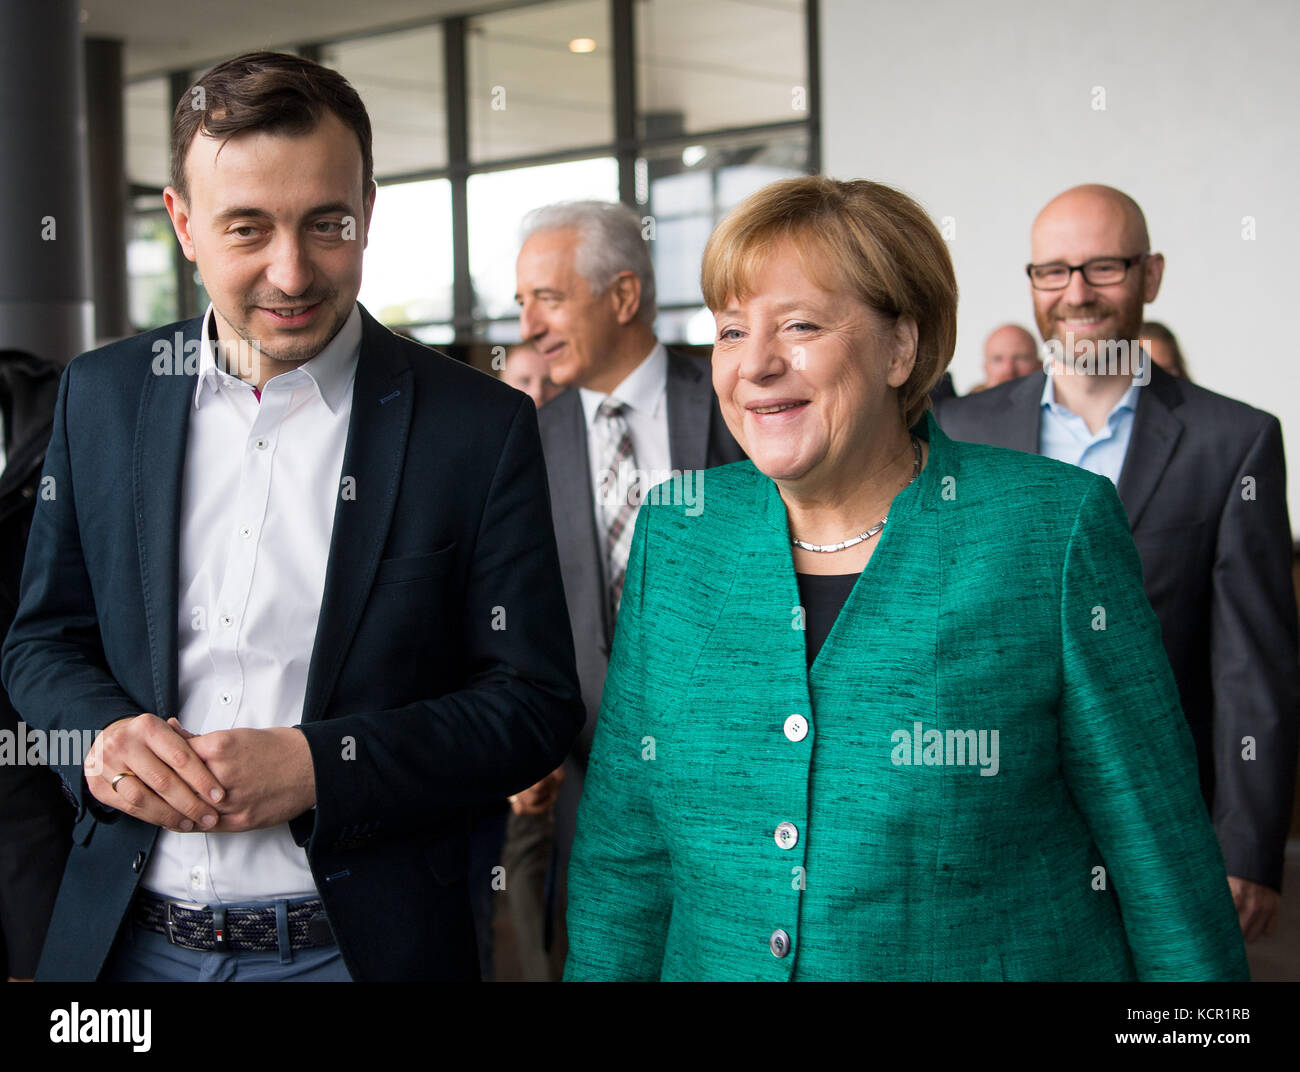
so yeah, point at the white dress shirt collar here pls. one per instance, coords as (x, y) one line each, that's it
(330, 372)
(643, 389)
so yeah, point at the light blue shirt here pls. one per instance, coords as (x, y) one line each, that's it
(1064, 435)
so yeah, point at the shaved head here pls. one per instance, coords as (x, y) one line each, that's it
(1095, 207)
(1009, 353)
(1089, 223)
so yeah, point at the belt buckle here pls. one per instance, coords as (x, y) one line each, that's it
(171, 924)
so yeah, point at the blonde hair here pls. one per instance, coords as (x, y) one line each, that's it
(864, 236)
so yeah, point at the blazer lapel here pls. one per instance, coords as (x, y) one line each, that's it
(158, 467)
(382, 401)
(564, 443)
(1156, 431)
(689, 395)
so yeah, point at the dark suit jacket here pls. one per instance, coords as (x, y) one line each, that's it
(447, 526)
(697, 439)
(1204, 486)
(35, 819)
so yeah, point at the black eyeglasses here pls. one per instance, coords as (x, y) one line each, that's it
(1098, 272)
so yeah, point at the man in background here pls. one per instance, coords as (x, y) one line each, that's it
(1009, 353)
(525, 370)
(1203, 480)
(633, 412)
(1162, 345)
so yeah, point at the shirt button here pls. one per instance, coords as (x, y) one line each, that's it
(796, 727)
(226, 698)
(787, 834)
(245, 532)
(260, 443)
(196, 878)
(779, 943)
(227, 620)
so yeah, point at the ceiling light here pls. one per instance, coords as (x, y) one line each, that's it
(582, 44)
(693, 154)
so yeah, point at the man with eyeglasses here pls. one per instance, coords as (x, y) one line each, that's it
(1203, 480)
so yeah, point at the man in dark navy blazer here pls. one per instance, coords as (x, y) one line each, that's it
(1203, 480)
(299, 577)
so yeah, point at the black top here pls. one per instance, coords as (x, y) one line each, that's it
(822, 598)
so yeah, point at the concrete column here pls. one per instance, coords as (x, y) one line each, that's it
(45, 302)
(109, 210)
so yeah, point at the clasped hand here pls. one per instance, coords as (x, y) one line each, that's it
(220, 782)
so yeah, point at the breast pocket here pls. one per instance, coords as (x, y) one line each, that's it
(415, 567)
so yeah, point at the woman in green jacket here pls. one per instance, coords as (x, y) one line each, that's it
(882, 705)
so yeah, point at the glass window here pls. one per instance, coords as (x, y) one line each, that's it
(434, 334)
(148, 121)
(690, 188)
(540, 79)
(719, 65)
(151, 271)
(407, 273)
(498, 203)
(400, 79)
(694, 326)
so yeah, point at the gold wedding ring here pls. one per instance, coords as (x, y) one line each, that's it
(118, 777)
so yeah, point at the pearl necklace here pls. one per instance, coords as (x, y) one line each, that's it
(875, 529)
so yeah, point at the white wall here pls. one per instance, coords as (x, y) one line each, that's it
(983, 111)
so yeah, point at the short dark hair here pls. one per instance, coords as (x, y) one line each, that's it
(274, 92)
(1153, 329)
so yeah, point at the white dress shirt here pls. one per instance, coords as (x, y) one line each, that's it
(261, 483)
(645, 393)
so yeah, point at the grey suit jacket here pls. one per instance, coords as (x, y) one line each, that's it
(1204, 486)
(697, 439)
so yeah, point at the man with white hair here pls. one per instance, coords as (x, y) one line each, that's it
(634, 412)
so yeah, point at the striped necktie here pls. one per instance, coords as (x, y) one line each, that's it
(619, 493)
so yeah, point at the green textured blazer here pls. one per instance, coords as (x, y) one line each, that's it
(885, 832)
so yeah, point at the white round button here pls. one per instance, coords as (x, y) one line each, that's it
(227, 620)
(779, 943)
(226, 698)
(796, 727)
(260, 443)
(787, 835)
(245, 532)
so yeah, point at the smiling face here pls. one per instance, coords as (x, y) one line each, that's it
(1078, 226)
(807, 378)
(576, 331)
(277, 225)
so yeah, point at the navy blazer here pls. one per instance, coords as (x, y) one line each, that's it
(441, 648)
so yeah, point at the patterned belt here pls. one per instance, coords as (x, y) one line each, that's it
(233, 930)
